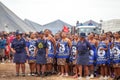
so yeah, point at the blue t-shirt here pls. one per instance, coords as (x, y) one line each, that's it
(83, 47)
(50, 49)
(92, 53)
(116, 52)
(31, 46)
(73, 51)
(41, 44)
(110, 54)
(2, 43)
(63, 50)
(19, 45)
(101, 57)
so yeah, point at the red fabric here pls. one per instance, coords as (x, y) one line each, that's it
(11, 38)
(8, 40)
(7, 50)
(65, 29)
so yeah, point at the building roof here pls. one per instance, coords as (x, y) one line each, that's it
(10, 22)
(89, 23)
(34, 25)
(111, 25)
(56, 26)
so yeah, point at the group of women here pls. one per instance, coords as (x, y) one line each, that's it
(88, 56)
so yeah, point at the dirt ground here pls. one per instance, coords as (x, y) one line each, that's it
(7, 72)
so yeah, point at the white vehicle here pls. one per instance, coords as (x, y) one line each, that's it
(88, 29)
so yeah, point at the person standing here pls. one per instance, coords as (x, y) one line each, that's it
(115, 51)
(2, 48)
(51, 50)
(63, 53)
(31, 49)
(41, 53)
(73, 55)
(18, 47)
(7, 48)
(102, 56)
(94, 43)
(56, 67)
(83, 47)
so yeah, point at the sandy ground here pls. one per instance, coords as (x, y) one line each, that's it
(7, 72)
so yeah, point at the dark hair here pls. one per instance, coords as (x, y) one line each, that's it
(91, 33)
(47, 30)
(119, 32)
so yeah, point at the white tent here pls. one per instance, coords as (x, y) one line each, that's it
(10, 22)
(111, 25)
(34, 25)
(56, 26)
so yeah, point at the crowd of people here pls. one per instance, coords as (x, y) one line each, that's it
(63, 54)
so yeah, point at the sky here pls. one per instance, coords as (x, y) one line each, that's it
(70, 11)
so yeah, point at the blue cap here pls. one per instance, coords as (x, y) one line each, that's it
(41, 32)
(18, 33)
(82, 35)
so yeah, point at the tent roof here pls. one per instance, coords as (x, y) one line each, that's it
(34, 25)
(56, 26)
(59, 23)
(91, 22)
(10, 22)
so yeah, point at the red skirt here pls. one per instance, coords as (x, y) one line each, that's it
(7, 50)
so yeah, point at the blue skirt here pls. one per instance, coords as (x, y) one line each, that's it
(20, 57)
(31, 58)
(83, 59)
(41, 58)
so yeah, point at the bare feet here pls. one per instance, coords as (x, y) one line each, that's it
(75, 76)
